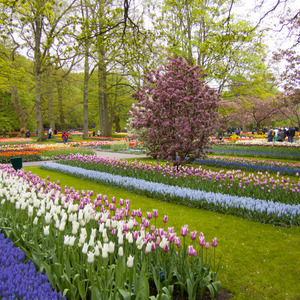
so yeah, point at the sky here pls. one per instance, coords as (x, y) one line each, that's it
(253, 11)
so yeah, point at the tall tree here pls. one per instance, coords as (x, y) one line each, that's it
(205, 33)
(39, 24)
(16, 81)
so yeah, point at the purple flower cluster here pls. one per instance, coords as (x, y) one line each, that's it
(247, 166)
(20, 280)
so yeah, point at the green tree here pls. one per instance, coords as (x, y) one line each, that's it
(40, 24)
(205, 33)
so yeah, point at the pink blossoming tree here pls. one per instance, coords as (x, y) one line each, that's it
(176, 112)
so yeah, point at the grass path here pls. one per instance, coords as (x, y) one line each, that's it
(259, 261)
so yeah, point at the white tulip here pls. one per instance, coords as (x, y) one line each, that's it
(66, 240)
(46, 230)
(85, 248)
(130, 261)
(120, 239)
(111, 247)
(148, 247)
(121, 251)
(97, 251)
(90, 257)
(48, 217)
(72, 240)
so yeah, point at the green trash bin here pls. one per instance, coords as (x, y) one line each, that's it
(16, 162)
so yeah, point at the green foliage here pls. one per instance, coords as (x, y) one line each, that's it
(248, 250)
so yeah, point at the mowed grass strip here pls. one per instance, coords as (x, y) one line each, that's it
(258, 261)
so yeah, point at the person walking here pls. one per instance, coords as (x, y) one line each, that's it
(291, 134)
(27, 134)
(65, 136)
(49, 133)
(275, 134)
(270, 135)
(4, 132)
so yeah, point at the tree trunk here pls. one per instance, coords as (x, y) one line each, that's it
(18, 106)
(60, 104)
(49, 82)
(189, 35)
(37, 75)
(86, 79)
(85, 93)
(102, 84)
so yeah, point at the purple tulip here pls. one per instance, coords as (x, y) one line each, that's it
(165, 219)
(201, 240)
(192, 251)
(194, 235)
(184, 230)
(177, 242)
(214, 242)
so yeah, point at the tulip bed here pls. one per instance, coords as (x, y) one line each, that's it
(272, 150)
(250, 163)
(37, 152)
(93, 248)
(260, 196)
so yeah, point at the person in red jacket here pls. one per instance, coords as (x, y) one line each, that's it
(65, 136)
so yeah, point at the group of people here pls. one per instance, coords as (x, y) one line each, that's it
(236, 131)
(279, 134)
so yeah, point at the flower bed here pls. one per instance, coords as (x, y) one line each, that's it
(95, 249)
(258, 162)
(260, 210)
(236, 183)
(19, 278)
(246, 164)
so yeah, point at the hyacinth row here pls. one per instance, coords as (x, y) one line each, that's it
(95, 249)
(262, 210)
(235, 183)
(19, 278)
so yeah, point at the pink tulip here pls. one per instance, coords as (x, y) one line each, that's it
(207, 245)
(166, 248)
(214, 242)
(177, 242)
(192, 251)
(112, 206)
(155, 213)
(146, 223)
(194, 235)
(184, 230)
(201, 240)
(165, 220)
(171, 237)
(149, 215)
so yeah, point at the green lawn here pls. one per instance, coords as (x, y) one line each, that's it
(258, 261)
